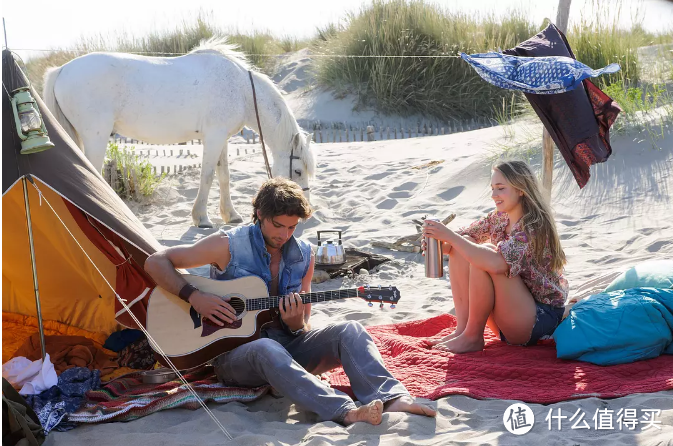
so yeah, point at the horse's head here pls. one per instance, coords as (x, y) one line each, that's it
(299, 162)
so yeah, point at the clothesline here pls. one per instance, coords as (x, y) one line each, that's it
(352, 56)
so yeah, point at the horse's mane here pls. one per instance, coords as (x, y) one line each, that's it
(221, 45)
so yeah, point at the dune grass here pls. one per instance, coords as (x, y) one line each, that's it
(444, 87)
(258, 45)
(135, 178)
(447, 87)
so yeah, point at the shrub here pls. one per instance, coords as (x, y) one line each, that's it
(134, 178)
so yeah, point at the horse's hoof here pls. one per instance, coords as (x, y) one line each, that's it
(203, 223)
(233, 219)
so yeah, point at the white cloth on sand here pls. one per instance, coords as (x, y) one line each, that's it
(32, 377)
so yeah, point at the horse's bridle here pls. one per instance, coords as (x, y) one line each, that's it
(261, 137)
(292, 157)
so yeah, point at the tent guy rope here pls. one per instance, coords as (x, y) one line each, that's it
(135, 319)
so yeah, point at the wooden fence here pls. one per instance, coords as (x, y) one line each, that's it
(181, 160)
(330, 132)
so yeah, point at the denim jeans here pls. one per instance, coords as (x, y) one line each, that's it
(290, 364)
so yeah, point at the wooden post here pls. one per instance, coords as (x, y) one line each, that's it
(370, 133)
(136, 186)
(113, 175)
(547, 142)
(106, 173)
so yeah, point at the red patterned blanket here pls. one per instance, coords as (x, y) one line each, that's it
(530, 374)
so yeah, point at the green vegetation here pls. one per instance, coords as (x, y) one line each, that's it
(444, 87)
(447, 87)
(134, 178)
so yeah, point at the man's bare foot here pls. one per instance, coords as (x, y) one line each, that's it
(370, 413)
(463, 344)
(407, 404)
(455, 334)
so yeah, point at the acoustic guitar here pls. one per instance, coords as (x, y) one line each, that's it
(189, 340)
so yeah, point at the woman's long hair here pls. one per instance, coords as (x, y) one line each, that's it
(538, 221)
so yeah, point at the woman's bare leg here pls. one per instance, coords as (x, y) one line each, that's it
(481, 302)
(515, 312)
(505, 304)
(459, 275)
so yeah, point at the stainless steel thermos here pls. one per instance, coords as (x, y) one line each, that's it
(434, 262)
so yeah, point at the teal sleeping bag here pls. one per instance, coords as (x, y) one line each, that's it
(618, 327)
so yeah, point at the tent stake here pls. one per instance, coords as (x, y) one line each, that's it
(32, 260)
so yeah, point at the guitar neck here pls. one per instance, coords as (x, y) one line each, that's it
(266, 303)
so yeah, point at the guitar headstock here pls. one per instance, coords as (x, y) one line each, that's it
(379, 294)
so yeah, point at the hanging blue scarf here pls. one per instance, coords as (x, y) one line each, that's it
(534, 75)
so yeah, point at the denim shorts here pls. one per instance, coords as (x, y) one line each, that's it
(547, 318)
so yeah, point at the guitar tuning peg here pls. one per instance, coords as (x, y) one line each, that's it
(381, 306)
(370, 304)
(392, 306)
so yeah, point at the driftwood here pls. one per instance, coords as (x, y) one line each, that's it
(396, 247)
(410, 243)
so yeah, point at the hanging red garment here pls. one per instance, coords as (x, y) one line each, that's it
(133, 284)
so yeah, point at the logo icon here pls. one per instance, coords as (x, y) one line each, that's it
(518, 419)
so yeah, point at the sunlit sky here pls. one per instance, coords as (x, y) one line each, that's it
(49, 24)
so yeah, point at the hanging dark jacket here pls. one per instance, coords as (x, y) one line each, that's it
(579, 120)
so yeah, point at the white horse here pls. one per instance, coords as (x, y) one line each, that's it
(205, 95)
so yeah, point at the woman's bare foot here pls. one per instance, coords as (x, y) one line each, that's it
(370, 413)
(455, 334)
(407, 404)
(463, 344)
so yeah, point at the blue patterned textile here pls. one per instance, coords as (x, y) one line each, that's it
(534, 75)
(53, 405)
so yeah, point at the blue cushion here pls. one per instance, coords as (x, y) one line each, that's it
(618, 327)
(654, 273)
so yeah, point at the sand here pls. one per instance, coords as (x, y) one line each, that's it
(371, 191)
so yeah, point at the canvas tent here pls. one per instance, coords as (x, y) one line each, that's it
(71, 288)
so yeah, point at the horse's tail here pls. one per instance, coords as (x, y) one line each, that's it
(49, 97)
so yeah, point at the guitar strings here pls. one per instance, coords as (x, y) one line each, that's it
(135, 319)
(258, 303)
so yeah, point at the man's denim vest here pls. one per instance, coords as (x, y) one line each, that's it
(249, 257)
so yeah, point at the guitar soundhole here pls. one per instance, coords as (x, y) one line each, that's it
(238, 305)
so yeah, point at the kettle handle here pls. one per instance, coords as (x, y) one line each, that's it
(330, 230)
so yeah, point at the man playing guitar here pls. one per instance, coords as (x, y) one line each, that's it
(289, 352)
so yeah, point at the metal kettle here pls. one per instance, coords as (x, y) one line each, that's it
(330, 253)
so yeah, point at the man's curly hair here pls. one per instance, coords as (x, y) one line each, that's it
(280, 196)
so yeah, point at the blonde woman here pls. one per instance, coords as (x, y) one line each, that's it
(505, 268)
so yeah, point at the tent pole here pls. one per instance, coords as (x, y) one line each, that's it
(32, 260)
